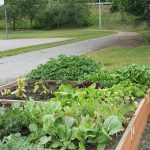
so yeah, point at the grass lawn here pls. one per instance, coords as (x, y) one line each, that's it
(123, 56)
(81, 33)
(77, 34)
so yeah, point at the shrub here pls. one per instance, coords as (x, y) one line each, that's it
(65, 68)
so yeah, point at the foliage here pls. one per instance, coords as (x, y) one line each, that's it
(65, 68)
(138, 8)
(47, 14)
(50, 127)
(76, 117)
(58, 14)
(135, 73)
(86, 115)
(20, 91)
(5, 92)
(117, 99)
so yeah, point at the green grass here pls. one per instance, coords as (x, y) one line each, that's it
(78, 35)
(109, 21)
(81, 33)
(123, 56)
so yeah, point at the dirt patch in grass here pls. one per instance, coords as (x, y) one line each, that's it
(132, 41)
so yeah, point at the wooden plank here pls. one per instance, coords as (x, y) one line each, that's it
(9, 85)
(131, 137)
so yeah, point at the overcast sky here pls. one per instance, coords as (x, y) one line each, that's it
(1, 2)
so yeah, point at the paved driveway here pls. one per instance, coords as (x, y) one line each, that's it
(15, 66)
(18, 43)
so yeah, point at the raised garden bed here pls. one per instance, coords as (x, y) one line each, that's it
(38, 90)
(133, 132)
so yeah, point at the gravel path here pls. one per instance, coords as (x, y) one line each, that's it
(15, 66)
(18, 43)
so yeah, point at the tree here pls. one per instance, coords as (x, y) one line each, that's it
(48, 14)
(64, 13)
(138, 8)
(14, 11)
(31, 8)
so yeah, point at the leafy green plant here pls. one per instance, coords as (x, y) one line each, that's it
(5, 92)
(51, 128)
(20, 91)
(76, 117)
(135, 73)
(65, 68)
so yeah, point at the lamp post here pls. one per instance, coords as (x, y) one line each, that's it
(6, 22)
(6, 19)
(100, 15)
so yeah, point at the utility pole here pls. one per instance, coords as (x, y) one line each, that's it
(6, 22)
(100, 14)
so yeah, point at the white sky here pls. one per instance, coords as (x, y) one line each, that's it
(1, 2)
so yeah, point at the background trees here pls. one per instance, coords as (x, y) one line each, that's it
(138, 8)
(48, 13)
(65, 13)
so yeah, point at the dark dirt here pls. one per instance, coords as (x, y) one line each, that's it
(86, 84)
(145, 141)
(38, 95)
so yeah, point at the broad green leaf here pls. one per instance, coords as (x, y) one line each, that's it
(101, 146)
(81, 146)
(69, 121)
(2, 111)
(113, 125)
(33, 127)
(57, 144)
(71, 146)
(44, 140)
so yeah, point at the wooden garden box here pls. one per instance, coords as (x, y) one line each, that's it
(132, 135)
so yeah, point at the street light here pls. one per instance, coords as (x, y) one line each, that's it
(100, 15)
(6, 20)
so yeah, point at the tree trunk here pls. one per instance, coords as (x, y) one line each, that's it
(14, 24)
(31, 21)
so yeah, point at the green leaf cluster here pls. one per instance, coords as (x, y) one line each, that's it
(133, 73)
(76, 117)
(65, 68)
(49, 126)
(71, 120)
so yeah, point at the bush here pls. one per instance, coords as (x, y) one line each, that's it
(65, 68)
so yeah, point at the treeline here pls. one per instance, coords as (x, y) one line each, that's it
(138, 8)
(47, 14)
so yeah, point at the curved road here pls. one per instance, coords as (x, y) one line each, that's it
(6, 45)
(15, 66)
